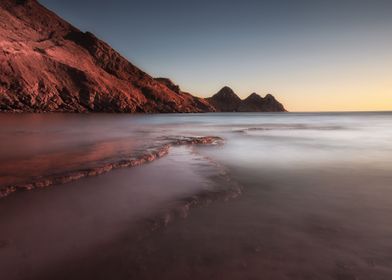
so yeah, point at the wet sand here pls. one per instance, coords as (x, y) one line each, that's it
(312, 232)
(47, 228)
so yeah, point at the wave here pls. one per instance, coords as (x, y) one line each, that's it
(156, 151)
(290, 127)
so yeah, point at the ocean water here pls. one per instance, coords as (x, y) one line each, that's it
(315, 197)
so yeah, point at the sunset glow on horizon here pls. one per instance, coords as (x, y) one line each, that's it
(311, 55)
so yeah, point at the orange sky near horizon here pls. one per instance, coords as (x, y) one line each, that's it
(357, 80)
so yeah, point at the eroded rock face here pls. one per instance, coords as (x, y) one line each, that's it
(169, 83)
(47, 65)
(226, 100)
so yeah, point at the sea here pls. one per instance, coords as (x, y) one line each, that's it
(272, 196)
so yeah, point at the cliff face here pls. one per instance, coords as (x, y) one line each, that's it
(48, 65)
(227, 101)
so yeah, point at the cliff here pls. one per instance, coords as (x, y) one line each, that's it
(48, 65)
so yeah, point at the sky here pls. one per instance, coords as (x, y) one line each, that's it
(312, 55)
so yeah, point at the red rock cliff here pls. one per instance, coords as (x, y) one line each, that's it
(48, 65)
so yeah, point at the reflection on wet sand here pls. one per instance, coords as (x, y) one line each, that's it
(45, 229)
(89, 168)
(20, 170)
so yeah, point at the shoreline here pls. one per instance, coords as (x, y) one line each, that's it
(93, 213)
(153, 153)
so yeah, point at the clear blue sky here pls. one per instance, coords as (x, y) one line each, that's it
(311, 54)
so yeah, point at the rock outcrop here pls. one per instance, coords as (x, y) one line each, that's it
(227, 101)
(169, 83)
(256, 103)
(48, 65)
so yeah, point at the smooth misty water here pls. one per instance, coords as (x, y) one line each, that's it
(316, 202)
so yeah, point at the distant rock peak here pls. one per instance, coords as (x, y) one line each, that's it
(270, 96)
(226, 100)
(253, 96)
(227, 92)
